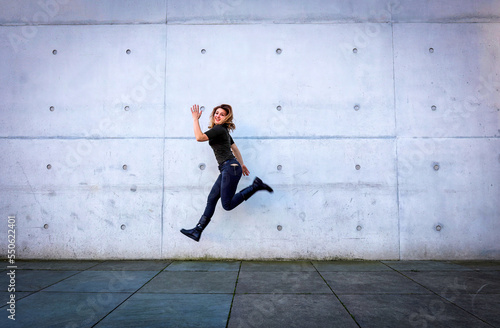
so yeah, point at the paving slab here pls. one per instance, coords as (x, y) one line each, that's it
(204, 266)
(288, 310)
(425, 266)
(131, 266)
(64, 265)
(484, 306)
(396, 311)
(451, 284)
(355, 266)
(277, 266)
(480, 265)
(104, 281)
(33, 280)
(53, 309)
(281, 282)
(171, 310)
(372, 283)
(179, 282)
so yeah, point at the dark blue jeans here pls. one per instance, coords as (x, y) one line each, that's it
(225, 188)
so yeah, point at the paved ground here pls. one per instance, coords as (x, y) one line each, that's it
(254, 294)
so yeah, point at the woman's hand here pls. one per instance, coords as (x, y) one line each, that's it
(244, 169)
(196, 112)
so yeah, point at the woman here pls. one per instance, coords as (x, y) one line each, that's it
(231, 166)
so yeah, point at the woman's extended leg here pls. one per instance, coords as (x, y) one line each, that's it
(213, 198)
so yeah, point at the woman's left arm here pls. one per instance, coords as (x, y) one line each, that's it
(237, 154)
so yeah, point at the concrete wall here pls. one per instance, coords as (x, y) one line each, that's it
(377, 124)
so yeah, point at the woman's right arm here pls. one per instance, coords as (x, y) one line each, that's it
(196, 113)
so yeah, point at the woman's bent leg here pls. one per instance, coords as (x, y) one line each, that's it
(230, 178)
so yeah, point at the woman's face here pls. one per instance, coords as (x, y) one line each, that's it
(219, 115)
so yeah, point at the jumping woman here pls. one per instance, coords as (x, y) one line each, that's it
(231, 166)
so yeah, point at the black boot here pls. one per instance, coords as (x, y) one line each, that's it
(256, 186)
(195, 233)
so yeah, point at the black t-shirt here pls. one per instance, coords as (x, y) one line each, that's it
(220, 141)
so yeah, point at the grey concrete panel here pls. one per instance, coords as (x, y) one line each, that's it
(34, 280)
(173, 282)
(356, 266)
(446, 11)
(204, 266)
(278, 11)
(281, 310)
(408, 311)
(131, 266)
(47, 309)
(171, 310)
(104, 282)
(317, 79)
(305, 282)
(82, 12)
(348, 283)
(88, 83)
(325, 206)
(87, 205)
(449, 211)
(461, 79)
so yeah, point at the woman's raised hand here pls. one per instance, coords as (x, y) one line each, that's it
(196, 112)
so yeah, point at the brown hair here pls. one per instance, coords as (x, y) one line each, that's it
(228, 121)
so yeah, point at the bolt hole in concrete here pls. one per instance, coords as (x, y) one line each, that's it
(133, 188)
(45, 226)
(127, 108)
(51, 108)
(202, 108)
(124, 166)
(433, 108)
(436, 167)
(279, 167)
(431, 50)
(203, 51)
(358, 167)
(128, 51)
(49, 166)
(278, 108)
(438, 228)
(202, 166)
(279, 228)
(356, 107)
(355, 50)
(123, 227)
(359, 228)
(54, 52)
(278, 51)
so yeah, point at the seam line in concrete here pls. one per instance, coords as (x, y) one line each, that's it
(127, 298)
(433, 292)
(234, 294)
(345, 307)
